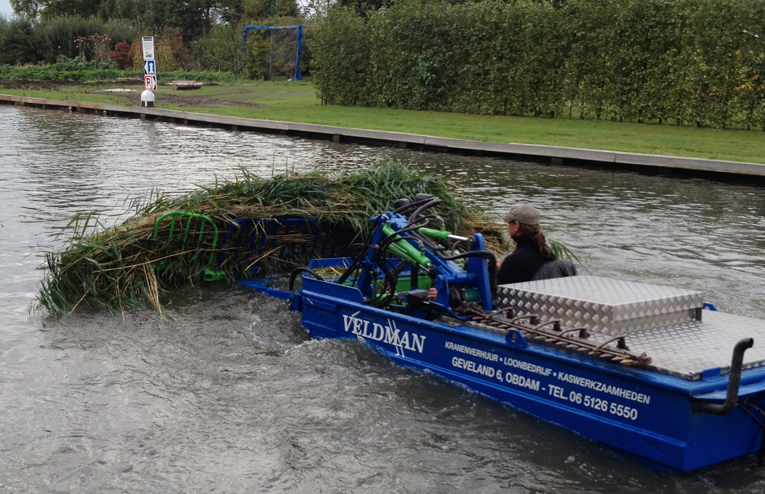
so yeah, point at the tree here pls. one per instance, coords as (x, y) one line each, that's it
(362, 6)
(28, 8)
(258, 10)
(16, 42)
(83, 8)
(193, 17)
(54, 8)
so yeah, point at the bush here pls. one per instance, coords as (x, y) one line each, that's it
(56, 36)
(412, 61)
(697, 62)
(16, 42)
(341, 59)
(121, 55)
(53, 37)
(220, 50)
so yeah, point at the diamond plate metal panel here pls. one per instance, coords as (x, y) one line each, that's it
(686, 350)
(603, 305)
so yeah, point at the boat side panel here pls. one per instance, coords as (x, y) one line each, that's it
(713, 436)
(651, 421)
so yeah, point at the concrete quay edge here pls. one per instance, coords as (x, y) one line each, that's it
(536, 152)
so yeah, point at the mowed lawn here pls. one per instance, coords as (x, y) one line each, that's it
(297, 102)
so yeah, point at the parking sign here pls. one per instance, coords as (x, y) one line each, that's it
(150, 82)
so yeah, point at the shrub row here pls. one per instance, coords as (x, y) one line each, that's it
(24, 40)
(53, 39)
(691, 62)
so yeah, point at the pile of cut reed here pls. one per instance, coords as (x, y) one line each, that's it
(130, 265)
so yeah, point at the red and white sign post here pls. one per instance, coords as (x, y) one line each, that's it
(150, 82)
(149, 71)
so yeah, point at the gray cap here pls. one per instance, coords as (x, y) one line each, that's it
(522, 213)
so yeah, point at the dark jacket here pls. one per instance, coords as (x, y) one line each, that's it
(560, 268)
(523, 263)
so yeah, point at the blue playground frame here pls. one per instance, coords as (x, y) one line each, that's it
(298, 27)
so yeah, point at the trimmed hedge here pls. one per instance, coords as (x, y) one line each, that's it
(693, 62)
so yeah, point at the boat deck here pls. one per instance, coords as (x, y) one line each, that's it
(687, 349)
(666, 323)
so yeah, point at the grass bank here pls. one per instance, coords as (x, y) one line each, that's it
(297, 102)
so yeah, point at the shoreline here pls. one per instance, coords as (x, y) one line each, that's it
(555, 155)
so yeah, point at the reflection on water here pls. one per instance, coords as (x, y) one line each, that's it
(227, 394)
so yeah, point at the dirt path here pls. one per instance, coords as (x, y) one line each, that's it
(180, 98)
(54, 85)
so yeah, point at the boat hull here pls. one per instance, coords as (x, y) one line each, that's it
(639, 411)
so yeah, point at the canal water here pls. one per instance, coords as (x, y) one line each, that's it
(227, 394)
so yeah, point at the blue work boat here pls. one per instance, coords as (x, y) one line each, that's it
(644, 368)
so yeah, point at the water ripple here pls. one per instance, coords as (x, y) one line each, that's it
(229, 395)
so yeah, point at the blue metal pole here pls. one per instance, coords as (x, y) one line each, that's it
(244, 44)
(299, 49)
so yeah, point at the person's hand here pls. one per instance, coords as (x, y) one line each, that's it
(499, 263)
(432, 294)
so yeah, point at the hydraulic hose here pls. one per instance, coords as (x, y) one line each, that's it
(352, 268)
(389, 279)
(427, 241)
(412, 205)
(294, 274)
(456, 245)
(380, 257)
(431, 203)
(356, 261)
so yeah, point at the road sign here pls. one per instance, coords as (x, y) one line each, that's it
(150, 82)
(148, 47)
(150, 67)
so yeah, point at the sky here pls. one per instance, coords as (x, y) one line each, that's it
(5, 8)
